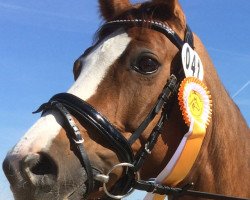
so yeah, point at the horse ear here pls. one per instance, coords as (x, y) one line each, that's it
(175, 8)
(112, 8)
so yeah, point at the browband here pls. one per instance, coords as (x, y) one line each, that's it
(157, 26)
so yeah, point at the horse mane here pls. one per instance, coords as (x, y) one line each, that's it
(227, 140)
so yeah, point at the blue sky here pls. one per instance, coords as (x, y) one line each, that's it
(39, 41)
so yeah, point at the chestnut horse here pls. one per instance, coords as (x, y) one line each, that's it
(131, 76)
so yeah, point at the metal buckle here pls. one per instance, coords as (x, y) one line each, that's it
(147, 149)
(79, 141)
(112, 169)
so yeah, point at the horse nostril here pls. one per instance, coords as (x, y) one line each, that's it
(39, 166)
(44, 165)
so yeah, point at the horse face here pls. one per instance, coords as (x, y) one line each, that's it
(121, 77)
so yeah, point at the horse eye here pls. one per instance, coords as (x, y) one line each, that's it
(146, 65)
(77, 68)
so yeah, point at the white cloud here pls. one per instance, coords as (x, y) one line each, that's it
(38, 12)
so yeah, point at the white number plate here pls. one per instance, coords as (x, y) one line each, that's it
(191, 62)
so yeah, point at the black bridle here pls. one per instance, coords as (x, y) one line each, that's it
(68, 104)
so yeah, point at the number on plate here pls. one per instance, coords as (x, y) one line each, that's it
(191, 62)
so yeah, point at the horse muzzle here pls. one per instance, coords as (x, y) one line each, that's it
(36, 176)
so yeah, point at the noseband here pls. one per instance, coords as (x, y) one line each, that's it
(68, 104)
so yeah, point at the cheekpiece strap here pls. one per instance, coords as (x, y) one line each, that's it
(75, 137)
(189, 38)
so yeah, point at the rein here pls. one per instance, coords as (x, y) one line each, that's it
(68, 104)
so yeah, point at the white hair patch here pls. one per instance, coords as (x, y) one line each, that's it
(95, 66)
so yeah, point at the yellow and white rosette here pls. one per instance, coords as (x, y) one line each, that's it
(196, 107)
(195, 102)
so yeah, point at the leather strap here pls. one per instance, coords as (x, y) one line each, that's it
(155, 25)
(75, 138)
(189, 38)
(153, 187)
(86, 113)
(164, 98)
(78, 143)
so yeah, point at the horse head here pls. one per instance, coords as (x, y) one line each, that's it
(93, 139)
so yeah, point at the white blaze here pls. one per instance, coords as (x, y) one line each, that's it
(97, 63)
(95, 67)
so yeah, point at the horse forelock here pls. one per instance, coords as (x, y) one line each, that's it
(160, 11)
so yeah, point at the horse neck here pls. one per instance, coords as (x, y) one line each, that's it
(224, 159)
